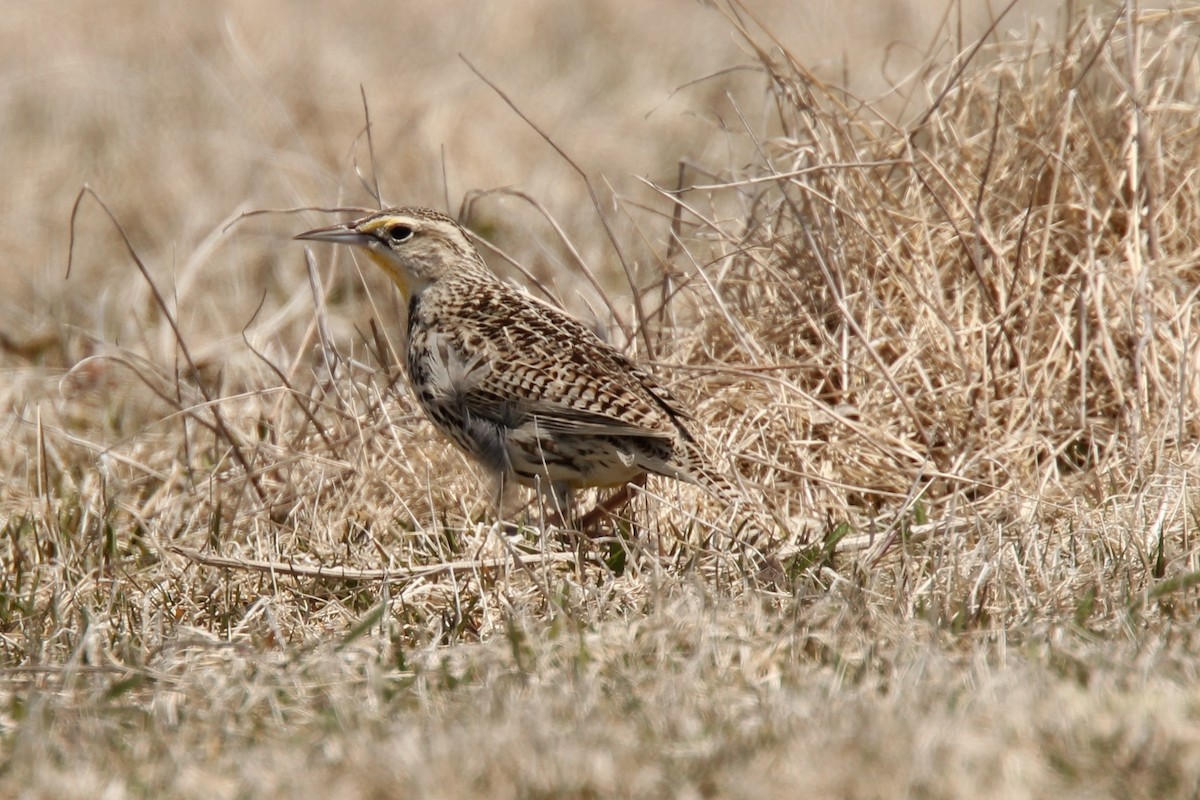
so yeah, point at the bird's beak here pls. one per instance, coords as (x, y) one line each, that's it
(342, 233)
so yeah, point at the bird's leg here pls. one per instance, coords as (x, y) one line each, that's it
(563, 507)
(589, 522)
(502, 491)
(555, 503)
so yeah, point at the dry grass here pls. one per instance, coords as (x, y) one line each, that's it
(951, 338)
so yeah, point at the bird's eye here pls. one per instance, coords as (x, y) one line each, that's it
(398, 233)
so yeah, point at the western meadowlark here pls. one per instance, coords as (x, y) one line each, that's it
(524, 388)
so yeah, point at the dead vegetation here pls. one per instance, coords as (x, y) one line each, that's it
(954, 346)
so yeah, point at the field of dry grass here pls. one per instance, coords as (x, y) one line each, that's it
(929, 286)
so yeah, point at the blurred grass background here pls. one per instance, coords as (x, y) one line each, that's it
(181, 119)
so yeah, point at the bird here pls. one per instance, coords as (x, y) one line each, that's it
(524, 388)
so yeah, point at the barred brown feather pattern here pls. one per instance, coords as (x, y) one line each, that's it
(571, 407)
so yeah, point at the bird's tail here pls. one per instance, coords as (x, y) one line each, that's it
(756, 526)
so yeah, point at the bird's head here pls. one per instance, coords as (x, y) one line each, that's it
(416, 247)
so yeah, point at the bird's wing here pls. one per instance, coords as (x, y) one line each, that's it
(499, 398)
(544, 364)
